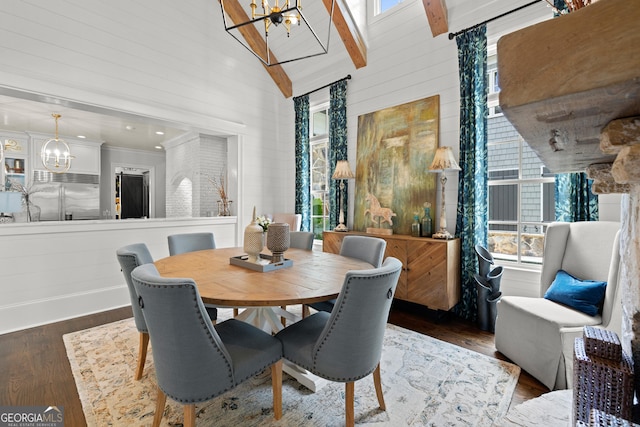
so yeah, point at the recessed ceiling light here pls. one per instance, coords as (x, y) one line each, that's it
(159, 133)
(159, 147)
(81, 136)
(129, 127)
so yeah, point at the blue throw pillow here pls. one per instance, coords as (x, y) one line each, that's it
(582, 295)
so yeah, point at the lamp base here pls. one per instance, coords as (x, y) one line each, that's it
(341, 227)
(442, 234)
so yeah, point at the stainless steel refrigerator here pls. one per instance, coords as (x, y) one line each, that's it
(69, 195)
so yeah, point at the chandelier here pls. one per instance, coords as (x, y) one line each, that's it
(254, 29)
(55, 153)
(276, 15)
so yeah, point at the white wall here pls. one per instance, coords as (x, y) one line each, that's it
(55, 271)
(154, 58)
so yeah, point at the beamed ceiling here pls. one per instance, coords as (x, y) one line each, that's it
(19, 112)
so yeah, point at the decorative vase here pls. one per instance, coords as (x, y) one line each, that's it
(415, 227)
(485, 260)
(224, 207)
(253, 239)
(484, 293)
(494, 278)
(425, 226)
(278, 240)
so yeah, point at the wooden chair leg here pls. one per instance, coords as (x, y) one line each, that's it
(305, 311)
(377, 381)
(142, 354)
(189, 416)
(283, 320)
(160, 402)
(235, 312)
(348, 403)
(276, 384)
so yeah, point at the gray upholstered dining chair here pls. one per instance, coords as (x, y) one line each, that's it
(365, 248)
(346, 344)
(196, 361)
(130, 257)
(301, 240)
(189, 242)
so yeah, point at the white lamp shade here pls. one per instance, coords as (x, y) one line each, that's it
(342, 171)
(444, 160)
(10, 201)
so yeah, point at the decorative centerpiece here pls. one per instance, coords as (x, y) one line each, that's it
(278, 240)
(253, 239)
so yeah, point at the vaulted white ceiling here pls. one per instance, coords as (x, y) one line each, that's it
(27, 112)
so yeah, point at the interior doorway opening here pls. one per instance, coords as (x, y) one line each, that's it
(133, 191)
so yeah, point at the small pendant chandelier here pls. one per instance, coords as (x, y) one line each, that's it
(55, 153)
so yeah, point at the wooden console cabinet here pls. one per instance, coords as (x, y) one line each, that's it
(430, 267)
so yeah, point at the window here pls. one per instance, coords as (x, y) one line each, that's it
(382, 6)
(521, 189)
(319, 141)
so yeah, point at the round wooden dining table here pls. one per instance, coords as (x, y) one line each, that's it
(314, 276)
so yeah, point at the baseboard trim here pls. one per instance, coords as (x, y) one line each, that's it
(48, 310)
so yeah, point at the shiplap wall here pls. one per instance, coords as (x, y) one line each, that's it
(156, 58)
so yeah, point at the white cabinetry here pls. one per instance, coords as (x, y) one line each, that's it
(16, 165)
(86, 153)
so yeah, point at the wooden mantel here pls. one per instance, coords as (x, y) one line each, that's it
(563, 80)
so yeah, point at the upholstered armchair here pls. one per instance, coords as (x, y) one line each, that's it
(346, 344)
(196, 361)
(538, 334)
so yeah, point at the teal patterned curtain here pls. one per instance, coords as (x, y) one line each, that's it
(574, 199)
(337, 147)
(303, 178)
(471, 221)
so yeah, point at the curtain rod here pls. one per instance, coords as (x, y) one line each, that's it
(325, 86)
(453, 35)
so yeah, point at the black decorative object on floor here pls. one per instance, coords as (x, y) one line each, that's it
(488, 287)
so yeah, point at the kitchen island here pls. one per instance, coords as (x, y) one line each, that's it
(56, 270)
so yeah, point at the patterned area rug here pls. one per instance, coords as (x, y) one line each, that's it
(426, 382)
(550, 409)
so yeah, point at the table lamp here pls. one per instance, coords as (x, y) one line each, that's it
(442, 162)
(342, 172)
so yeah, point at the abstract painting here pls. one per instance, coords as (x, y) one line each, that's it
(396, 145)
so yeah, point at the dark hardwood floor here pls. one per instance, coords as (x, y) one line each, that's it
(34, 369)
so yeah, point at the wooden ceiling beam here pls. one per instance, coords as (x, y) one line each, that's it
(257, 44)
(437, 15)
(348, 30)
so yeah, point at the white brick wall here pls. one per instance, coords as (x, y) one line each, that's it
(189, 158)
